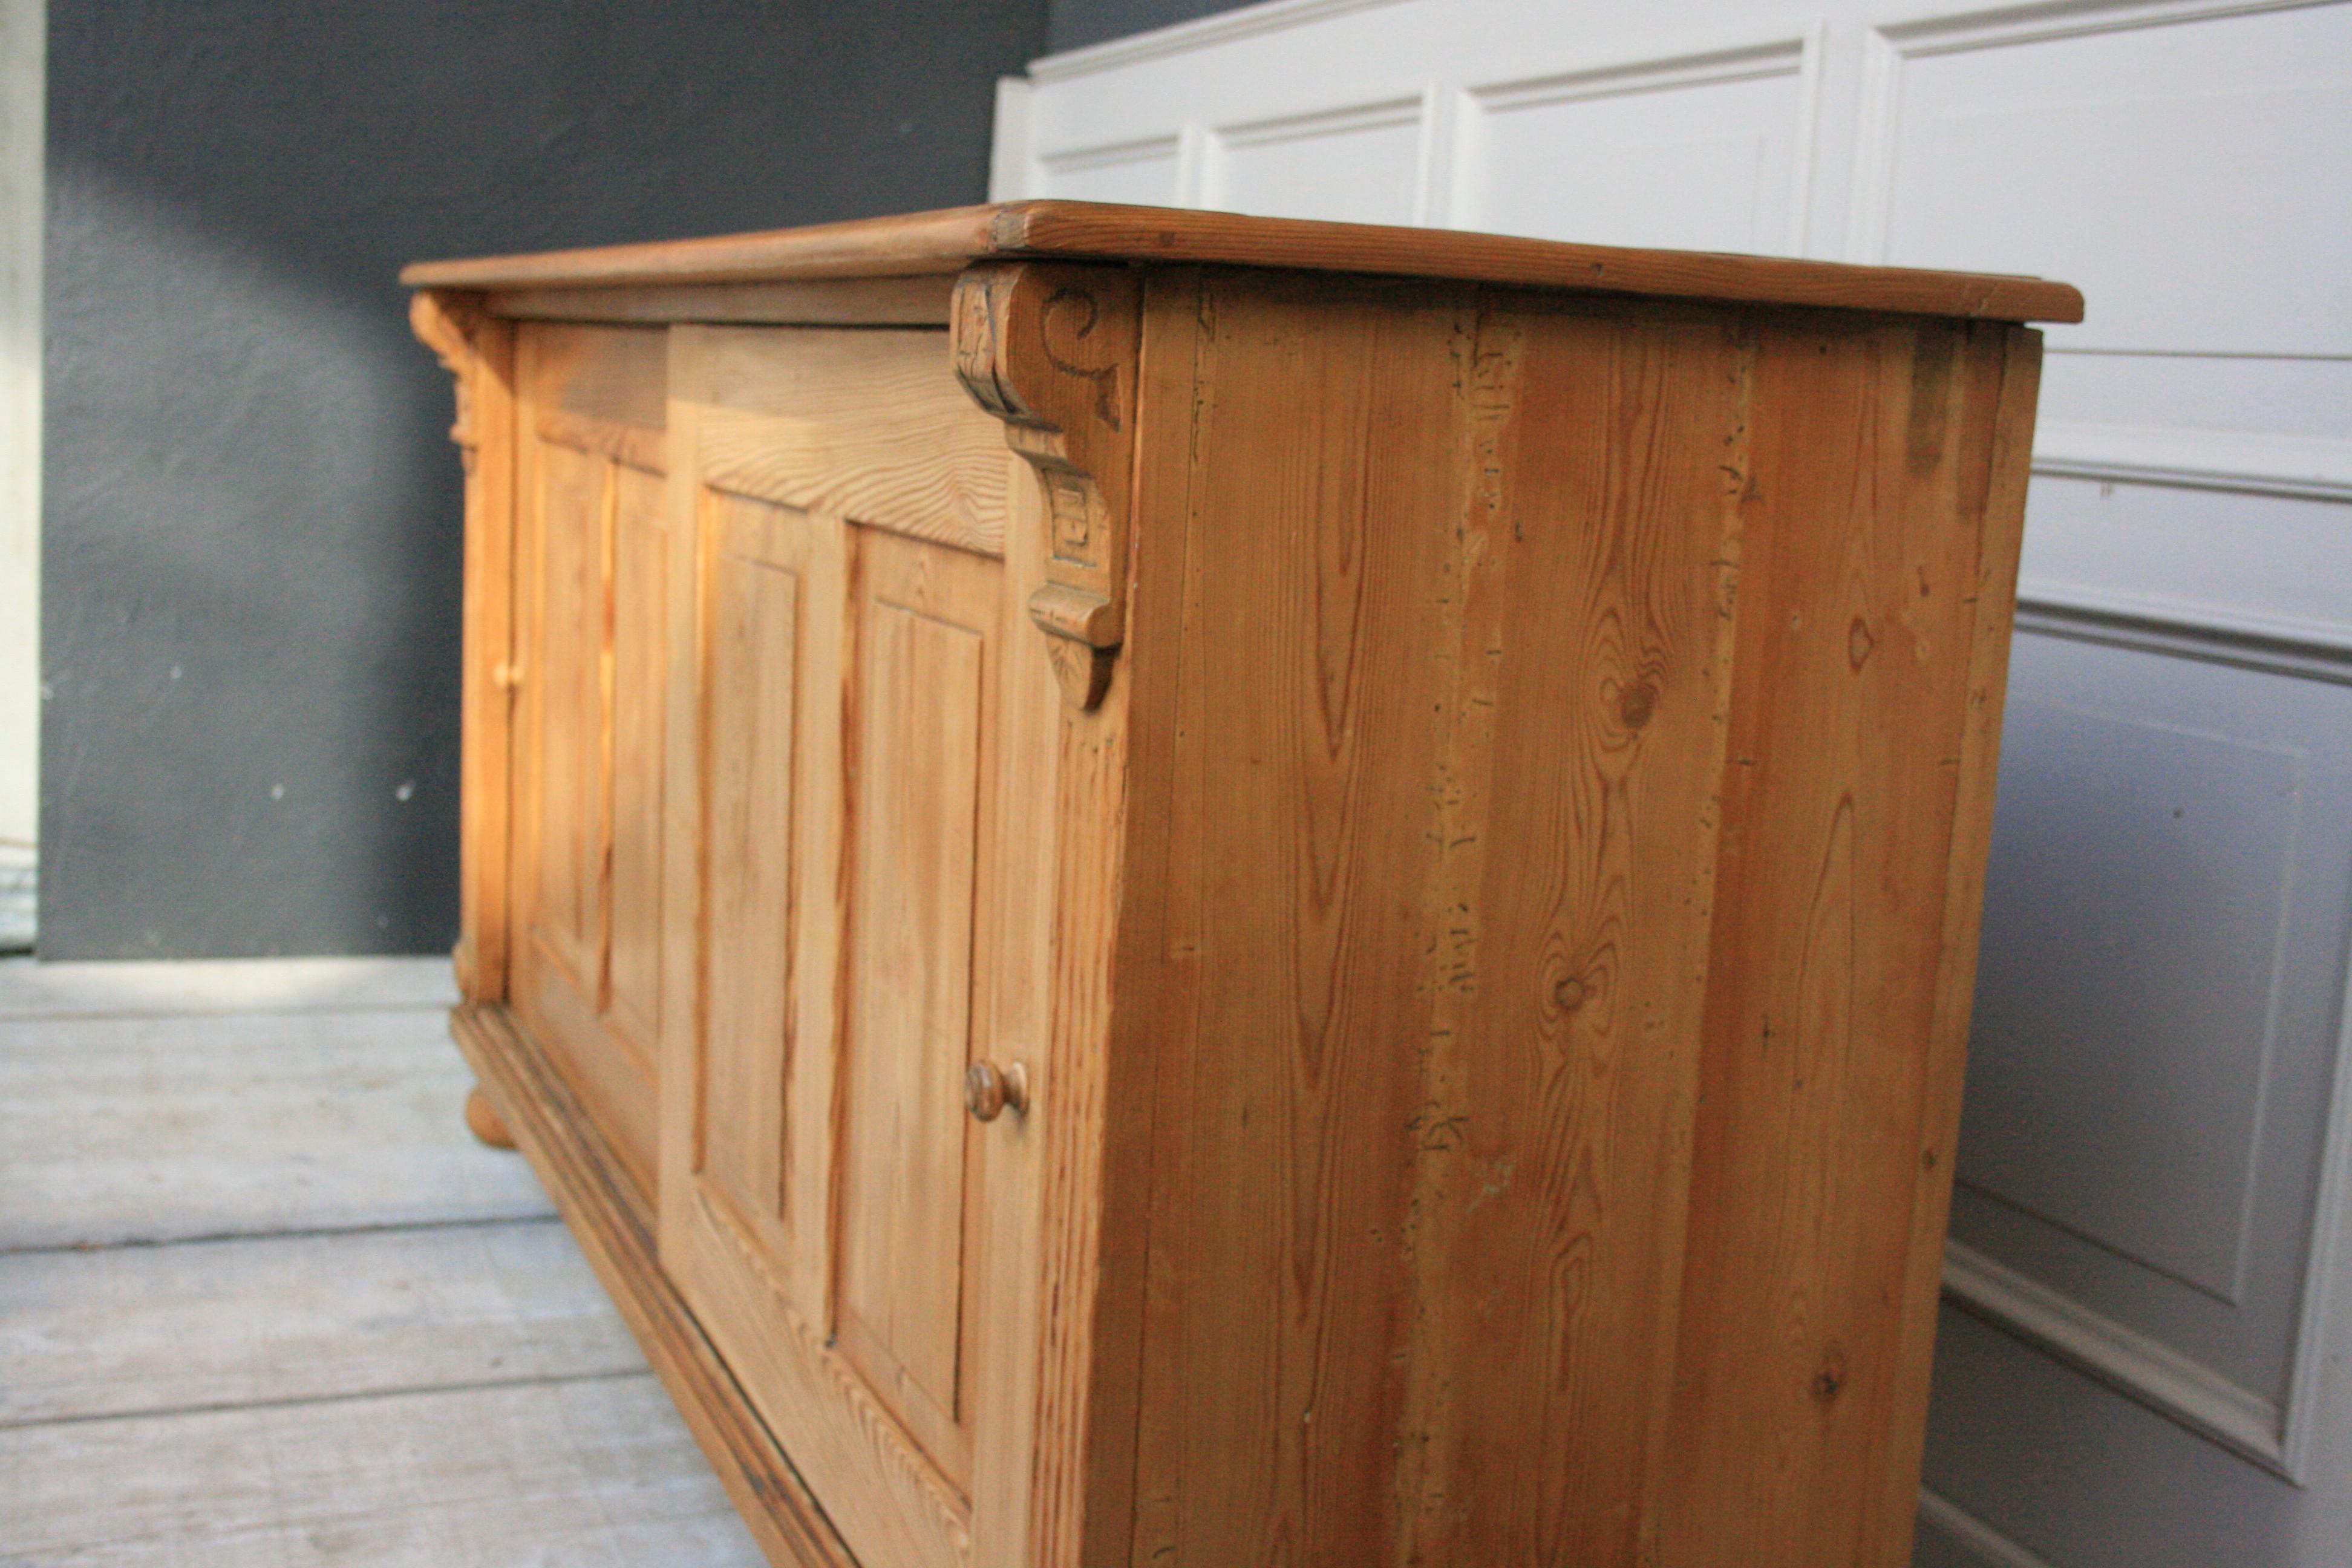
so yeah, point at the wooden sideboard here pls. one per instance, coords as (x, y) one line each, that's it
(1185, 891)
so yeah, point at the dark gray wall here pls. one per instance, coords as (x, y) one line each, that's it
(1077, 23)
(251, 552)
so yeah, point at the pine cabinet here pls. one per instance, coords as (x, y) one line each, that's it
(1178, 891)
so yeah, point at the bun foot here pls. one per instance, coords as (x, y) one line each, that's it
(482, 1121)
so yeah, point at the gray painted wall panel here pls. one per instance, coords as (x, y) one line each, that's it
(251, 523)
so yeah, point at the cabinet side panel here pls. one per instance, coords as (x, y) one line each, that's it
(1572, 912)
(1274, 953)
(1867, 552)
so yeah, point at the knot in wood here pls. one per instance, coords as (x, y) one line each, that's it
(1636, 703)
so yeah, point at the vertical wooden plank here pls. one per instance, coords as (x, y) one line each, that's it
(683, 780)
(640, 674)
(923, 690)
(1098, 1101)
(526, 833)
(1552, 1138)
(568, 660)
(1281, 981)
(753, 691)
(830, 567)
(1996, 500)
(1859, 599)
(1008, 1290)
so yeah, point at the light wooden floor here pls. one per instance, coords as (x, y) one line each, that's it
(264, 1304)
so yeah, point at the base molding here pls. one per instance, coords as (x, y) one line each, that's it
(613, 1226)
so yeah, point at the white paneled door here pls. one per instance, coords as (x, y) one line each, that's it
(2142, 1363)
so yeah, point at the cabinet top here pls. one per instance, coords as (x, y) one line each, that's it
(921, 244)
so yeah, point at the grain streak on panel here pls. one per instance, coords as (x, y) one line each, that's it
(752, 690)
(640, 675)
(1554, 1149)
(1992, 482)
(570, 738)
(1856, 616)
(871, 426)
(923, 691)
(1322, 486)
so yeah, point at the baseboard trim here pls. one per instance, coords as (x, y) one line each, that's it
(1970, 1535)
(614, 1225)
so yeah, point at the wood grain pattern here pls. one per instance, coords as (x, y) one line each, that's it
(1993, 596)
(919, 951)
(1553, 1155)
(1868, 545)
(639, 449)
(1283, 986)
(868, 426)
(1012, 1291)
(945, 242)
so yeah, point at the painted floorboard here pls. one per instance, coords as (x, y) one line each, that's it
(264, 1303)
(210, 1324)
(30, 990)
(595, 1473)
(145, 1129)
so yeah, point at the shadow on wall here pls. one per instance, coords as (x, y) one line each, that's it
(251, 568)
(253, 554)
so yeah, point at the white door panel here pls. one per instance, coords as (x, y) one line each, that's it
(2139, 1363)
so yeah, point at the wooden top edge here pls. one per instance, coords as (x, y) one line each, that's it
(938, 242)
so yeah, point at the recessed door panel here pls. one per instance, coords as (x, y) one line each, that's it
(640, 673)
(569, 916)
(822, 1209)
(923, 658)
(592, 653)
(755, 629)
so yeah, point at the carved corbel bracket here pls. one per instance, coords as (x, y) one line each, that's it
(451, 325)
(1052, 351)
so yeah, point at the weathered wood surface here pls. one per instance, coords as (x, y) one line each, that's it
(160, 1128)
(266, 1320)
(595, 1470)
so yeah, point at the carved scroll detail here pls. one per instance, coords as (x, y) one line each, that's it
(450, 325)
(1051, 350)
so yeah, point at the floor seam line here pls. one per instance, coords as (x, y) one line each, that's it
(298, 1233)
(220, 1407)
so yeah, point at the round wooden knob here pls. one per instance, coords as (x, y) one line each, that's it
(987, 1091)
